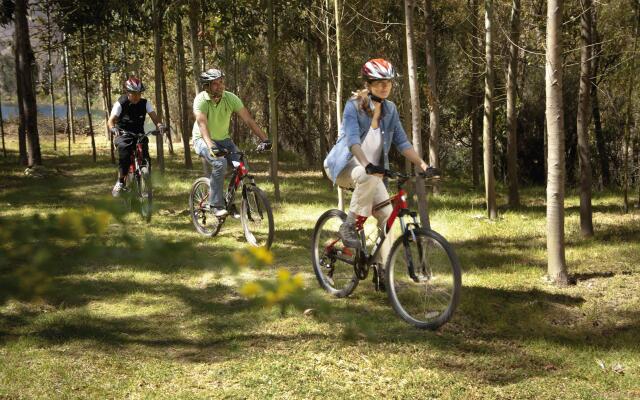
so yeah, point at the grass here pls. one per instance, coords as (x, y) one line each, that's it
(114, 327)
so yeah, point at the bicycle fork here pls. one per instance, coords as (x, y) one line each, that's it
(408, 236)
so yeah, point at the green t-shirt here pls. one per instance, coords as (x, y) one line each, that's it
(218, 115)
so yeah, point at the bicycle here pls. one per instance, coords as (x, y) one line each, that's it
(138, 180)
(422, 272)
(256, 215)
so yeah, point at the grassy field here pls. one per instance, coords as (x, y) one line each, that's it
(113, 326)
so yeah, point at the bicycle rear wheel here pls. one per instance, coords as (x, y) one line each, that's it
(333, 263)
(204, 221)
(145, 193)
(429, 300)
(256, 217)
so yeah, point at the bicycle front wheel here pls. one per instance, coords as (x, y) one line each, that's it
(146, 193)
(204, 221)
(427, 299)
(256, 217)
(333, 263)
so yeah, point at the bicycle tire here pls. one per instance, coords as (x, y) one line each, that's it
(440, 271)
(204, 221)
(324, 260)
(253, 210)
(128, 191)
(145, 194)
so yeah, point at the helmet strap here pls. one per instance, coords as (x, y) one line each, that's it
(375, 98)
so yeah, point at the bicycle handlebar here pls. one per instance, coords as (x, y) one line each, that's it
(139, 135)
(431, 174)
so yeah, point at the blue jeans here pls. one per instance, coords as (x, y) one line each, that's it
(218, 167)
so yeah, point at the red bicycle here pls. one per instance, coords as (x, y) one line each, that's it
(138, 187)
(422, 274)
(256, 215)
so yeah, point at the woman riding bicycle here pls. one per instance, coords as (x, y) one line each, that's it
(370, 125)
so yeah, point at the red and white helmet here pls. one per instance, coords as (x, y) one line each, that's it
(378, 69)
(134, 85)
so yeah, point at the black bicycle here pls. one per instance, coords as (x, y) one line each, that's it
(256, 215)
(422, 274)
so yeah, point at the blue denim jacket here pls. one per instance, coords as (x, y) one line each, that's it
(355, 126)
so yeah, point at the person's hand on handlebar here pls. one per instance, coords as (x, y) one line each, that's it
(115, 131)
(371, 169)
(161, 128)
(217, 152)
(431, 173)
(264, 145)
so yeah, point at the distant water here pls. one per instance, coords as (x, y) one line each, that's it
(11, 110)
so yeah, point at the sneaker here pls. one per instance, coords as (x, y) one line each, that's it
(349, 235)
(219, 212)
(117, 188)
(233, 210)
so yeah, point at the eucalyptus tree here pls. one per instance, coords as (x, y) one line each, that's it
(415, 105)
(432, 88)
(512, 117)
(556, 267)
(487, 135)
(582, 120)
(271, 78)
(26, 86)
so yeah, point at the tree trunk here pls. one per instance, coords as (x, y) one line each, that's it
(406, 100)
(26, 95)
(322, 126)
(595, 104)
(474, 104)
(67, 77)
(557, 268)
(308, 143)
(415, 109)
(167, 119)
(271, 88)
(4, 149)
(582, 121)
(105, 101)
(630, 98)
(86, 96)
(157, 71)
(487, 134)
(182, 90)
(432, 90)
(338, 22)
(67, 128)
(195, 45)
(50, 71)
(512, 116)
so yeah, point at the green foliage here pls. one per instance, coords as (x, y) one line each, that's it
(34, 249)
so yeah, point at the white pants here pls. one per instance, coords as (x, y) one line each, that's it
(368, 191)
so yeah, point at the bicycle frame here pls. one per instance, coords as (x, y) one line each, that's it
(400, 210)
(239, 174)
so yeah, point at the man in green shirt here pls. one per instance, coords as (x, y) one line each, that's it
(212, 109)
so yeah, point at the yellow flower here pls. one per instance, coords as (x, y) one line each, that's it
(262, 254)
(251, 289)
(297, 280)
(71, 222)
(240, 259)
(283, 275)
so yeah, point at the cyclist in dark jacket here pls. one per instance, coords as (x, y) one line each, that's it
(128, 114)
